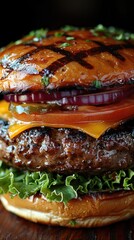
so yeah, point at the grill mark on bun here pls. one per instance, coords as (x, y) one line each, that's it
(68, 56)
(112, 49)
(78, 57)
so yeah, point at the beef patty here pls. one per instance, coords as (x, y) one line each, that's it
(65, 150)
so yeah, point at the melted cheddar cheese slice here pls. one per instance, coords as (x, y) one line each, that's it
(94, 129)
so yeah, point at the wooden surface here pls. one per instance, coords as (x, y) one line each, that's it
(16, 228)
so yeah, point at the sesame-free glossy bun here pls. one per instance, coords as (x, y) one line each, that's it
(73, 58)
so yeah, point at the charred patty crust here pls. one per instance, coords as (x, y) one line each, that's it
(65, 150)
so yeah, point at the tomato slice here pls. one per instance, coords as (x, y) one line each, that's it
(113, 112)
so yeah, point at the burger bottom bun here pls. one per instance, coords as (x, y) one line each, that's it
(88, 211)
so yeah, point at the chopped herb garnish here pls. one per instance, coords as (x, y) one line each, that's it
(18, 42)
(58, 34)
(73, 222)
(88, 40)
(68, 28)
(97, 83)
(1, 49)
(70, 38)
(38, 34)
(99, 28)
(116, 33)
(45, 80)
(65, 44)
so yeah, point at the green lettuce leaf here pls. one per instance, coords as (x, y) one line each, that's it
(58, 187)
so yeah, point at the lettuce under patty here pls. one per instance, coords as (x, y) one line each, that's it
(58, 187)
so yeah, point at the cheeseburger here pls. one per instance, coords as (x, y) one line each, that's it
(67, 126)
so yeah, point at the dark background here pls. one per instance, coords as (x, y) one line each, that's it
(17, 18)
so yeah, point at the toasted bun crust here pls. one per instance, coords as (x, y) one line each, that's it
(88, 211)
(65, 62)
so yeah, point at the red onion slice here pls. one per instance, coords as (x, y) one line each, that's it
(95, 99)
(72, 97)
(41, 97)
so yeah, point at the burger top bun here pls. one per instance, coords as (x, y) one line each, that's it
(66, 57)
